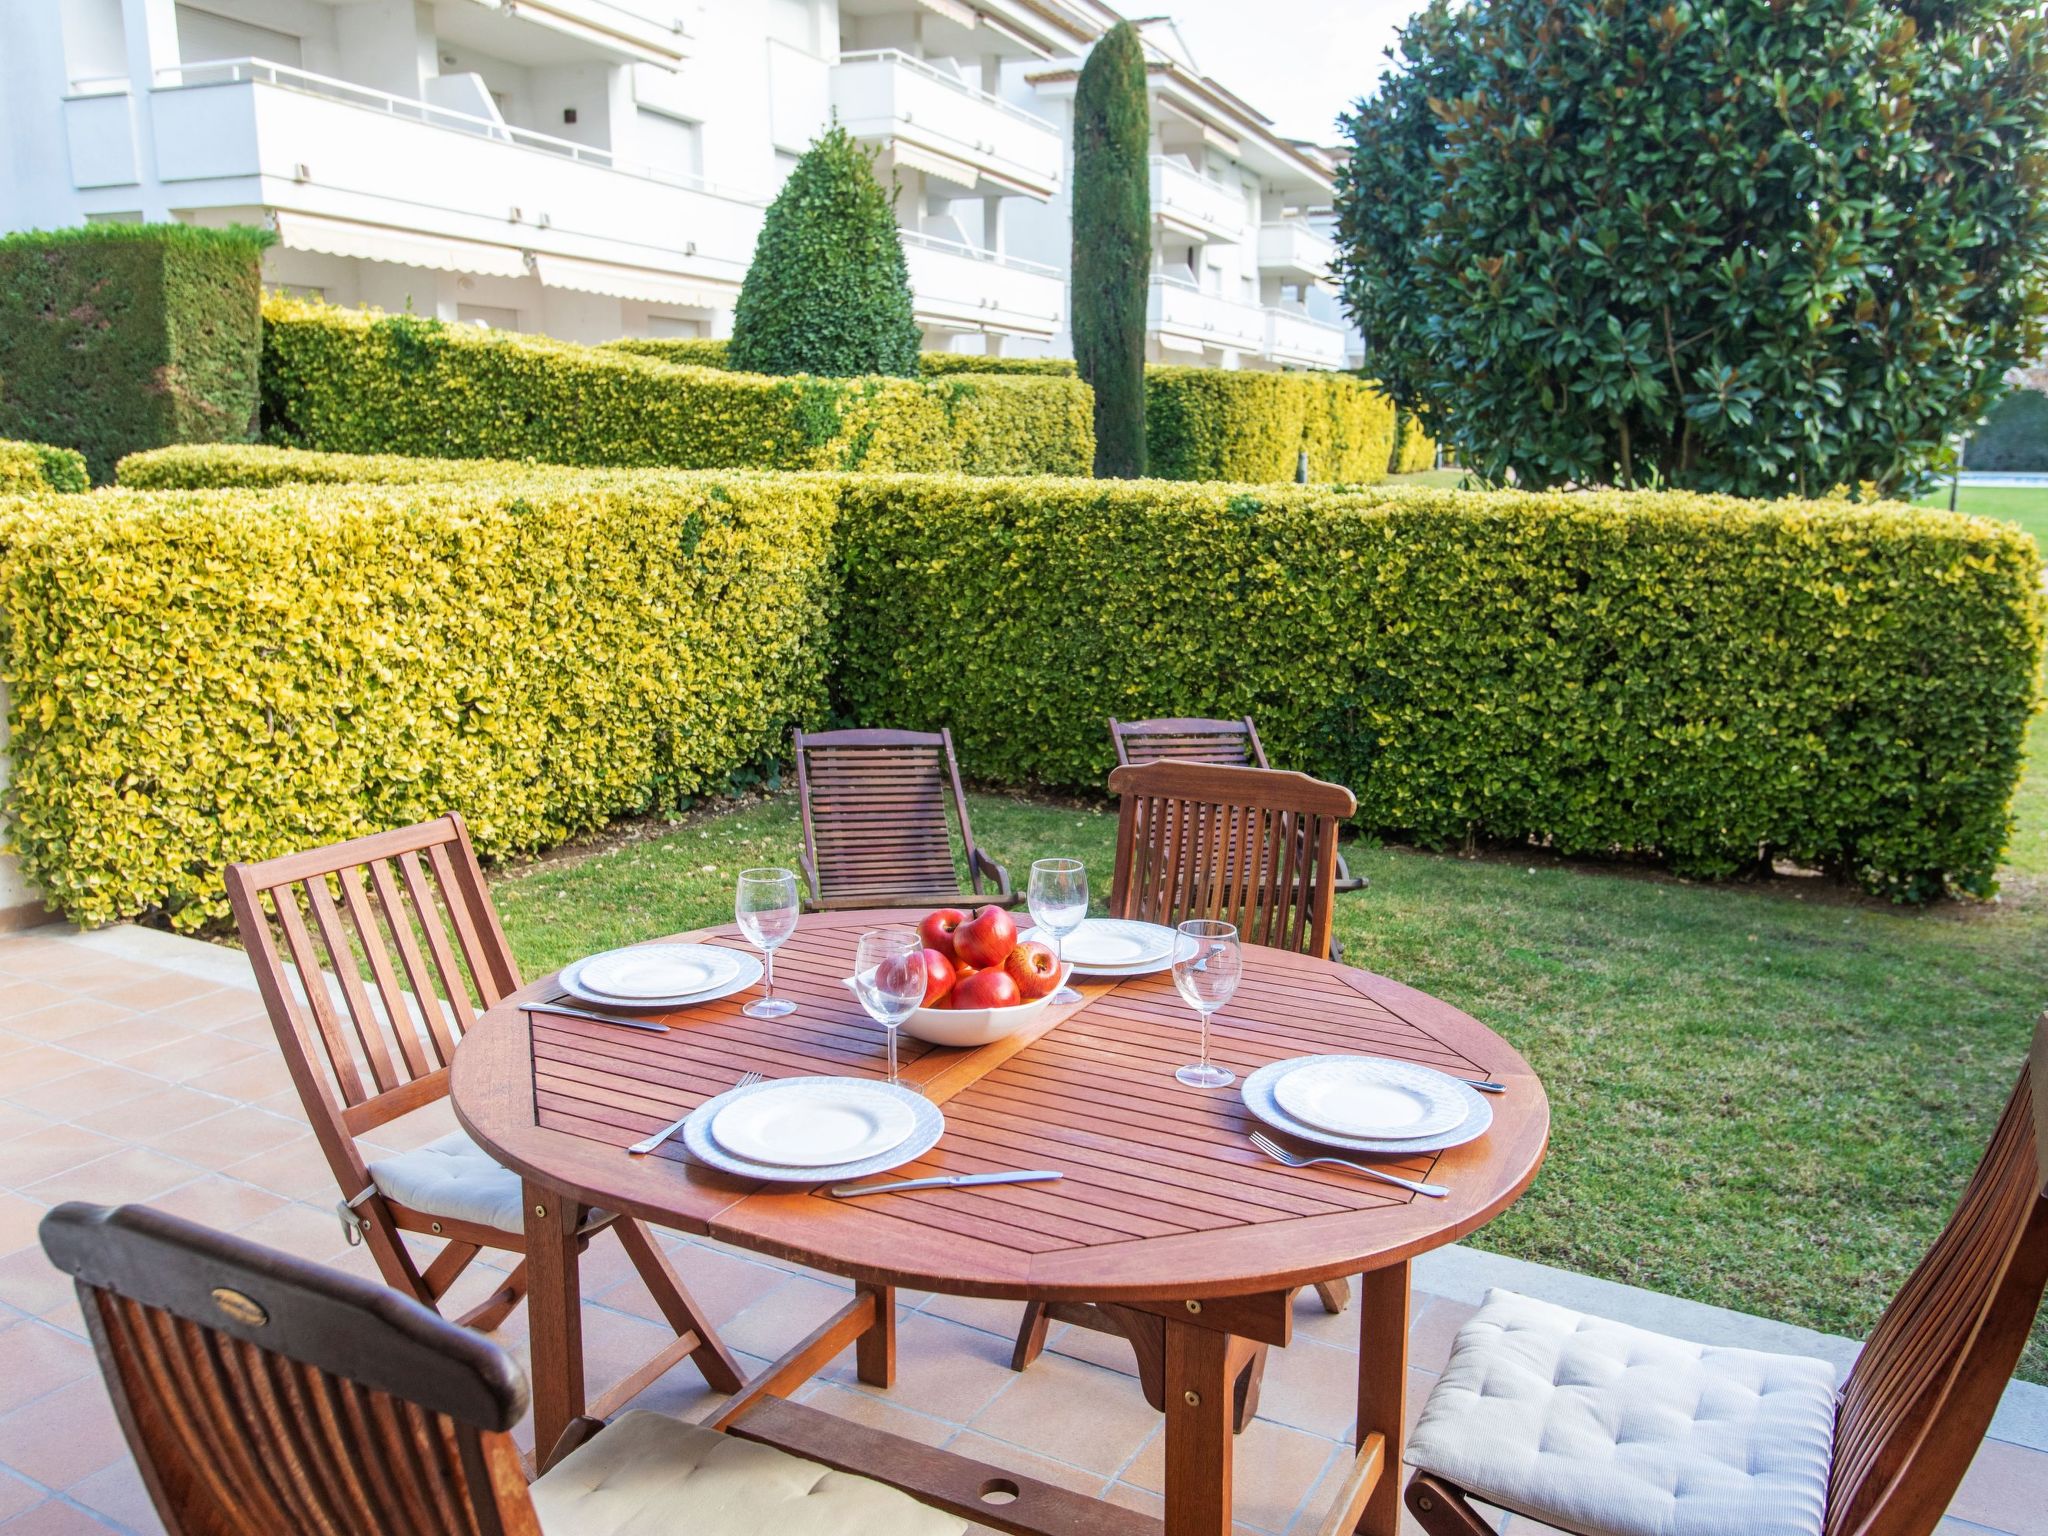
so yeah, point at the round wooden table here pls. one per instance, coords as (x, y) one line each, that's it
(1166, 1212)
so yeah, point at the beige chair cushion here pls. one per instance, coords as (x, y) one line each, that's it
(457, 1180)
(1608, 1430)
(646, 1474)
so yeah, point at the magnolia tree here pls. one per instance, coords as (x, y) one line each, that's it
(1759, 246)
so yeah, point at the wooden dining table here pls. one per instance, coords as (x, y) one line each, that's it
(1188, 1238)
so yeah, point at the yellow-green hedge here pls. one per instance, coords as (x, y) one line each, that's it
(352, 381)
(1241, 425)
(709, 352)
(1714, 681)
(1414, 448)
(200, 677)
(29, 468)
(217, 466)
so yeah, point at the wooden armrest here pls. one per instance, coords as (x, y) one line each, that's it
(981, 863)
(816, 902)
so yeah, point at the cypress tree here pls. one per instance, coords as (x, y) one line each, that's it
(827, 292)
(1112, 256)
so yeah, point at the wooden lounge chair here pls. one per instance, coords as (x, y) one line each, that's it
(1596, 1427)
(368, 1040)
(1249, 846)
(1191, 739)
(875, 828)
(261, 1394)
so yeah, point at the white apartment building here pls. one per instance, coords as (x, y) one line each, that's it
(599, 168)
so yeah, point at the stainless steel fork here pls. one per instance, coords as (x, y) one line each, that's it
(642, 1148)
(1280, 1154)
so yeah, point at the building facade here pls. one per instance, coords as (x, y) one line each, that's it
(599, 168)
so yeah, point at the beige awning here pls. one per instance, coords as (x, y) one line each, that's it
(610, 27)
(915, 157)
(406, 247)
(640, 283)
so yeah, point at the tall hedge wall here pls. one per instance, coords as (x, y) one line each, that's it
(30, 468)
(202, 677)
(1714, 681)
(1235, 424)
(1414, 448)
(115, 337)
(709, 352)
(354, 382)
(198, 468)
(2014, 436)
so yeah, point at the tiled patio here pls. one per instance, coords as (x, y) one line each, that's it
(139, 1067)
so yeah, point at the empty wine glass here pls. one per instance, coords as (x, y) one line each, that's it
(765, 904)
(1207, 966)
(1059, 904)
(888, 978)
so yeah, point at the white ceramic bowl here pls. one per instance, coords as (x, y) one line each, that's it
(976, 1026)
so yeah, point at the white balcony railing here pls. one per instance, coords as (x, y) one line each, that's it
(1291, 248)
(946, 126)
(959, 287)
(1189, 202)
(1294, 338)
(1179, 311)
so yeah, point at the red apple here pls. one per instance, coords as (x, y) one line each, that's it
(938, 978)
(987, 939)
(961, 971)
(987, 989)
(938, 928)
(1034, 969)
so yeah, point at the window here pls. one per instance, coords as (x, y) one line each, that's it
(488, 315)
(668, 143)
(203, 36)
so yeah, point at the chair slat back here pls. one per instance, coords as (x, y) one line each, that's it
(875, 808)
(1251, 846)
(1188, 739)
(373, 957)
(261, 1394)
(1922, 1393)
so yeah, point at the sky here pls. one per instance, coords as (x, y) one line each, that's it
(1300, 62)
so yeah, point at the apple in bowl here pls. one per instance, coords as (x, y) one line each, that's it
(985, 1002)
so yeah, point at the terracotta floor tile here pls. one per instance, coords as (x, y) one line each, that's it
(1431, 1335)
(169, 1108)
(40, 1360)
(19, 996)
(1020, 1459)
(100, 1086)
(147, 989)
(126, 1037)
(997, 1317)
(66, 1316)
(64, 1436)
(297, 1170)
(65, 1016)
(306, 1231)
(1111, 1351)
(131, 1174)
(721, 1284)
(877, 1412)
(188, 1057)
(1272, 1474)
(36, 1064)
(36, 1155)
(1311, 1387)
(19, 1217)
(117, 1493)
(258, 1076)
(1071, 1412)
(16, 1120)
(785, 1312)
(942, 1369)
(2006, 1488)
(214, 1011)
(54, 1517)
(225, 1139)
(227, 1205)
(16, 1495)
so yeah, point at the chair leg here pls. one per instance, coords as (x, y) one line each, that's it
(447, 1267)
(1336, 1294)
(387, 1246)
(488, 1315)
(1030, 1335)
(722, 1372)
(1441, 1508)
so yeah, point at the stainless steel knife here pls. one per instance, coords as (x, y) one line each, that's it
(650, 1025)
(944, 1181)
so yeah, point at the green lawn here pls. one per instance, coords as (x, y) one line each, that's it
(1766, 1098)
(2027, 506)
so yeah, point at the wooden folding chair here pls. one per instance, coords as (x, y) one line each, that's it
(875, 825)
(1249, 846)
(368, 1039)
(1762, 1443)
(1192, 739)
(261, 1394)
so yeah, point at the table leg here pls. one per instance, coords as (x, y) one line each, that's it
(554, 1316)
(1199, 1408)
(874, 1353)
(1383, 1388)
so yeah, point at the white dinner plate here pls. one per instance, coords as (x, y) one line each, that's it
(660, 970)
(1370, 1096)
(748, 973)
(811, 1122)
(1257, 1091)
(1114, 946)
(703, 1147)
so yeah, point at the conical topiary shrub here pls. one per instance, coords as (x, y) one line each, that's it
(1112, 259)
(828, 292)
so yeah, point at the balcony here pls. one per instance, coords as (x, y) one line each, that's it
(344, 157)
(1187, 319)
(956, 287)
(1291, 250)
(1192, 205)
(1298, 341)
(928, 121)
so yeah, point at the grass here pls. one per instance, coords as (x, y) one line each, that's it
(2025, 505)
(1766, 1098)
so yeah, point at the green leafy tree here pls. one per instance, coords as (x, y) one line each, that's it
(828, 292)
(1758, 246)
(1113, 244)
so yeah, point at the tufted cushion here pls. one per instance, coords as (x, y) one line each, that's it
(456, 1179)
(646, 1474)
(1608, 1430)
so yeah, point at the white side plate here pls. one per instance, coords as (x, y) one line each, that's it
(1370, 1096)
(659, 970)
(814, 1123)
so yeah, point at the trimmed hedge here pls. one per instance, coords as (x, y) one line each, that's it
(708, 352)
(1414, 449)
(1716, 682)
(1239, 425)
(27, 469)
(116, 337)
(2014, 436)
(205, 467)
(683, 351)
(355, 382)
(203, 677)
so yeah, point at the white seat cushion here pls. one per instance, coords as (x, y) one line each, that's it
(457, 1180)
(1608, 1430)
(646, 1474)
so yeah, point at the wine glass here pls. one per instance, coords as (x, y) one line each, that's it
(888, 978)
(1059, 904)
(765, 904)
(1207, 966)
